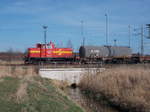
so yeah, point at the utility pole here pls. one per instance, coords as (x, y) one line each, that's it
(82, 32)
(142, 37)
(106, 29)
(45, 31)
(129, 35)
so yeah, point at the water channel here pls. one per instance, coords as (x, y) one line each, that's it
(88, 103)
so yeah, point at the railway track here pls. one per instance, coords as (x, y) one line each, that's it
(73, 65)
(57, 65)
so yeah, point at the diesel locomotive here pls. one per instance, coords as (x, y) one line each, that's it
(48, 53)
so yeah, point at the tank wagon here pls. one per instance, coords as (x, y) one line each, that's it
(106, 54)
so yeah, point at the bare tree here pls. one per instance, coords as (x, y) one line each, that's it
(59, 45)
(10, 54)
(69, 44)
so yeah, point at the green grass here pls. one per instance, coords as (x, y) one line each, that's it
(41, 96)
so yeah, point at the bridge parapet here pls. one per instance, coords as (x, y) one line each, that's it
(70, 75)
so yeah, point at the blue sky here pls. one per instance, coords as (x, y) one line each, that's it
(21, 22)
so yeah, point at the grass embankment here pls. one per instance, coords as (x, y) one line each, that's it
(33, 94)
(125, 87)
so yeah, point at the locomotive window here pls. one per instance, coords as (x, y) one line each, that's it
(49, 47)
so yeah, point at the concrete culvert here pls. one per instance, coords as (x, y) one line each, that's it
(73, 85)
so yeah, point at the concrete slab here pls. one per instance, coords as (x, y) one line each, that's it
(70, 75)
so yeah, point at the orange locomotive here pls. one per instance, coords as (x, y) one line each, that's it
(48, 53)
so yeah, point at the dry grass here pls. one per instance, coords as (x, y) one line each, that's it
(125, 86)
(60, 84)
(11, 62)
(21, 92)
(17, 71)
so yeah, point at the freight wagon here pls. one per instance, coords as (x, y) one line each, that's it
(106, 54)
